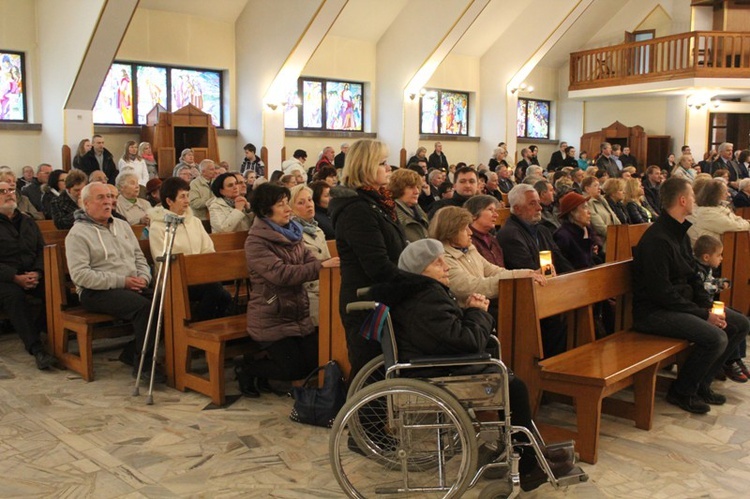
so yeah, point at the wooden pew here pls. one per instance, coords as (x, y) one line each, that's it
(46, 225)
(621, 239)
(64, 319)
(331, 334)
(227, 241)
(503, 214)
(182, 335)
(743, 212)
(735, 267)
(593, 369)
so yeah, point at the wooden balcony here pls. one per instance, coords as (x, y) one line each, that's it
(697, 54)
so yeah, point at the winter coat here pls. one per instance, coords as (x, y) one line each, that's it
(62, 209)
(325, 223)
(225, 218)
(22, 247)
(521, 247)
(319, 248)
(137, 167)
(190, 238)
(428, 319)
(89, 164)
(579, 250)
(601, 216)
(714, 221)
(470, 273)
(132, 211)
(278, 306)
(618, 209)
(415, 226)
(200, 193)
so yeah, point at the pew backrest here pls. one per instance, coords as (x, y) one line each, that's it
(621, 239)
(227, 241)
(735, 267)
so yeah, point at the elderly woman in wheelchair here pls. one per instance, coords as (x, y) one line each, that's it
(441, 419)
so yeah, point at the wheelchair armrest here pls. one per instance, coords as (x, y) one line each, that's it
(437, 360)
(360, 305)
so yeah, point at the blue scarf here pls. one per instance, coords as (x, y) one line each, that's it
(292, 231)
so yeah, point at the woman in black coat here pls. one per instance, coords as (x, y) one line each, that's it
(369, 238)
(614, 194)
(576, 238)
(428, 321)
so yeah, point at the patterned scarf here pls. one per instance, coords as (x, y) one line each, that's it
(382, 198)
(310, 227)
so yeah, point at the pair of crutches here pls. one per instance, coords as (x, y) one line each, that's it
(172, 223)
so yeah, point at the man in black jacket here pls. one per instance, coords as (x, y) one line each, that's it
(651, 182)
(467, 185)
(437, 159)
(21, 270)
(522, 237)
(99, 158)
(606, 161)
(669, 300)
(33, 190)
(555, 162)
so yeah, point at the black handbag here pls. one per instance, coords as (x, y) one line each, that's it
(319, 406)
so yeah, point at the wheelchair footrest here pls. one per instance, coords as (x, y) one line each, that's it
(574, 476)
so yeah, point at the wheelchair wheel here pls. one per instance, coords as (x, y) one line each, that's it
(403, 437)
(372, 372)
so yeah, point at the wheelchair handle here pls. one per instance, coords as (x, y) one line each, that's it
(361, 305)
(363, 292)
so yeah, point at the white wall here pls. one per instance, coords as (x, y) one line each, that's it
(648, 112)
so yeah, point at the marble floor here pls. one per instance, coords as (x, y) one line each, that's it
(63, 437)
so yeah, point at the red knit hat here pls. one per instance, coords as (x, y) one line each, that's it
(570, 202)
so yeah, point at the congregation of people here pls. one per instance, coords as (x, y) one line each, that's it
(375, 211)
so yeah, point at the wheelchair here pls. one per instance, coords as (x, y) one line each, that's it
(400, 436)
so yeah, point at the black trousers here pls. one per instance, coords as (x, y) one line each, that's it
(213, 301)
(123, 304)
(288, 359)
(27, 319)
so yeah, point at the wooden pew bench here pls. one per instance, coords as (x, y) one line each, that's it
(64, 319)
(621, 239)
(591, 370)
(216, 338)
(736, 268)
(331, 333)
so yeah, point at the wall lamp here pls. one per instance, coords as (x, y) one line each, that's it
(272, 106)
(413, 95)
(523, 87)
(699, 101)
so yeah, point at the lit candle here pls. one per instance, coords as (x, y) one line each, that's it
(718, 308)
(545, 262)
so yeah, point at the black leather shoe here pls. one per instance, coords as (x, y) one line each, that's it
(246, 383)
(689, 403)
(711, 397)
(44, 360)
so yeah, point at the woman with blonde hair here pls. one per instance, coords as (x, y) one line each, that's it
(712, 215)
(684, 168)
(469, 272)
(614, 194)
(405, 186)
(145, 152)
(369, 238)
(131, 162)
(639, 211)
(303, 212)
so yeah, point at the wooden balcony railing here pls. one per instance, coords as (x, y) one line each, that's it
(702, 54)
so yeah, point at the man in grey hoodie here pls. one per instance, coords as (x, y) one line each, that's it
(107, 266)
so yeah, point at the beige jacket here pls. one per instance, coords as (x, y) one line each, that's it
(133, 212)
(714, 221)
(224, 218)
(601, 216)
(190, 238)
(470, 273)
(318, 247)
(200, 193)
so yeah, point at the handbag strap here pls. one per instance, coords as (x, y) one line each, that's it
(315, 372)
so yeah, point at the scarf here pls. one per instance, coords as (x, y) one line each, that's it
(310, 227)
(383, 199)
(229, 201)
(292, 231)
(148, 157)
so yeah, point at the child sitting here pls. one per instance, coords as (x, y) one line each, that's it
(708, 253)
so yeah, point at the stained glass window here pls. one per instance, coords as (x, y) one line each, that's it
(325, 105)
(199, 88)
(152, 90)
(444, 112)
(114, 106)
(12, 85)
(532, 120)
(172, 88)
(430, 112)
(312, 104)
(343, 105)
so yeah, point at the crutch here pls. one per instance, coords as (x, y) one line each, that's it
(172, 222)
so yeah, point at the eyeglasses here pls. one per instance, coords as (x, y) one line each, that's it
(7, 191)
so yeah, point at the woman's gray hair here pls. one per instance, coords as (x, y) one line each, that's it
(122, 178)
(477, 204)
(744, 184)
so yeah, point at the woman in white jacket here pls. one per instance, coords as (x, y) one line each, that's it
(132, 162)
(228, 210)
(469, 272)
(713, 216)
(190, 239)
(303, 210)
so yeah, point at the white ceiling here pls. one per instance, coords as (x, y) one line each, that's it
(220, 10)
(494, 20)
(367, 19)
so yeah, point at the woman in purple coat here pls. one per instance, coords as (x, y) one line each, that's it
(278, 314)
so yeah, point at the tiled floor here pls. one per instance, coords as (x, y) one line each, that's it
(63, 437)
